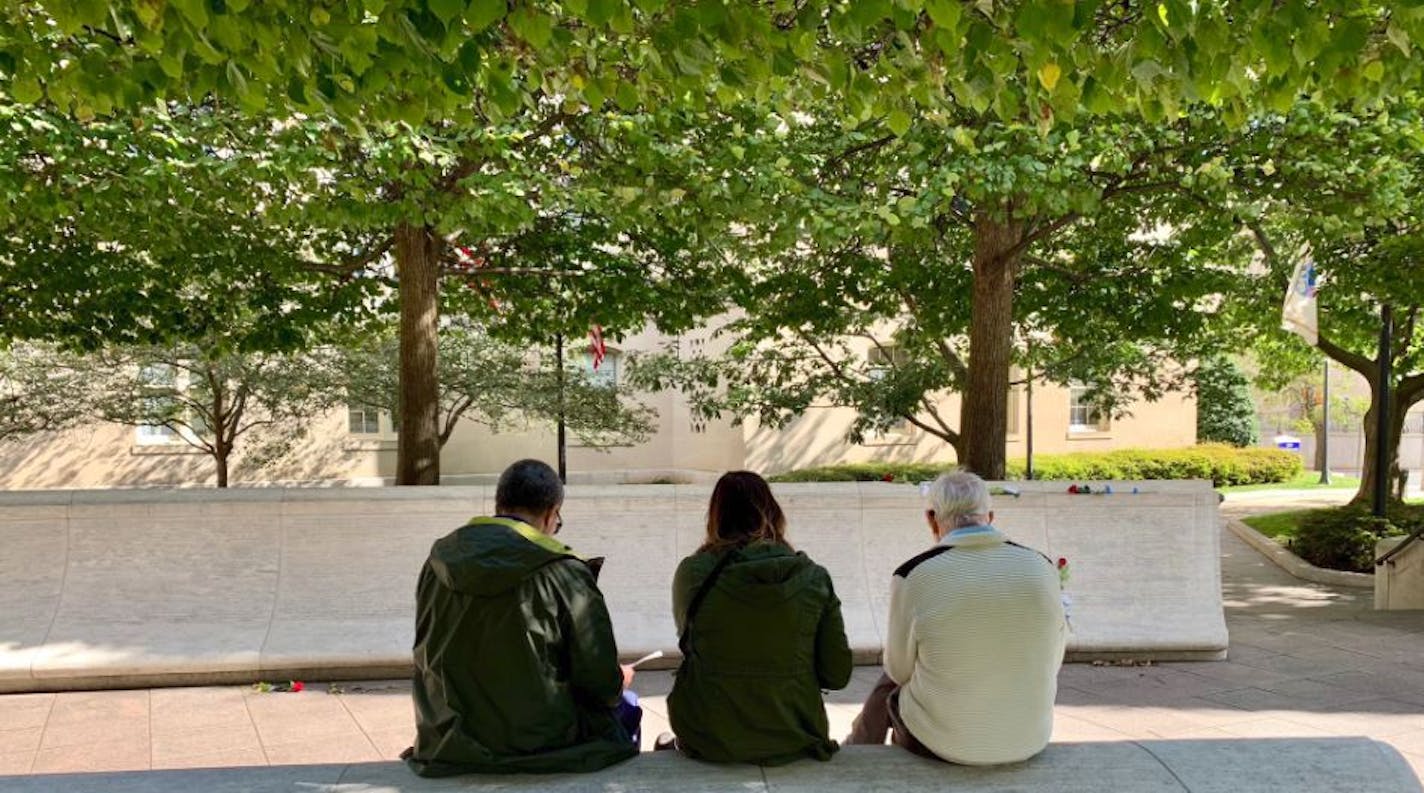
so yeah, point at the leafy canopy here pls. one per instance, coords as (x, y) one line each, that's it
(891, 59)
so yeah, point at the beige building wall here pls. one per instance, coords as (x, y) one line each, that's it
(819, 437)
(681, 449)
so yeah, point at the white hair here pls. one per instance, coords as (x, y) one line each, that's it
(958, 498)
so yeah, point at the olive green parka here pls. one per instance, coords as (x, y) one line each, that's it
(765, 641)
(516, 669)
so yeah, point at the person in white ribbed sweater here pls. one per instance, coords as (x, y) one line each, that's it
(975, 639)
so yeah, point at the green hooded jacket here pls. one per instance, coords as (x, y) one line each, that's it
(516, 670)
(765, 641)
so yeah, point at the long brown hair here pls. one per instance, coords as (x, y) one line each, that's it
(743, 510)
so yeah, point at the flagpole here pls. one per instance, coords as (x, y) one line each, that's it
(563, 442)
(1382, 412)
(1325, 426)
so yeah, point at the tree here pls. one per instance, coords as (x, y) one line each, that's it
(1225, 411)
(948, 248)
(496, 384)
(206, 398)
(876, 64)
(36, 396)
(1342, 188)
(421, 59)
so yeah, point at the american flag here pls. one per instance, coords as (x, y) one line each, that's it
(596, 347)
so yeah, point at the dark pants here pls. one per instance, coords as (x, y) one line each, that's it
(630, 715)
(881, 714)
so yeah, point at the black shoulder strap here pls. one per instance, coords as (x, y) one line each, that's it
(700, 595)
(903, 570)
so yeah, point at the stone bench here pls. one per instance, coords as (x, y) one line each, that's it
(1296, 765)
(134, 588)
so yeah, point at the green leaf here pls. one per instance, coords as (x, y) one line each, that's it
(899, 122)
(27, 90)
(1374, 70)
(195, 11)
(447, 9)
(944, 13)
(1399, 37)
(532, 26)
(483, 13)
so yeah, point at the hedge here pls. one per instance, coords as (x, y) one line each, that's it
(1343, 538)
(1222, 464)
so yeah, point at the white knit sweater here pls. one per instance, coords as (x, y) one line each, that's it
(975, 641)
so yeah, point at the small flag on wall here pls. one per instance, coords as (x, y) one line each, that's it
(596, 347)
(1300, 314)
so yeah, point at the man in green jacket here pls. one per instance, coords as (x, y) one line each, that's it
(516, 670)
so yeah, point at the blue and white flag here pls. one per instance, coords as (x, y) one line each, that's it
(1300, 314)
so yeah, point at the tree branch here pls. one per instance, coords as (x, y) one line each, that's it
(351, 264)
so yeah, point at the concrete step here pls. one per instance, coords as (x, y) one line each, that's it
(1297, 765)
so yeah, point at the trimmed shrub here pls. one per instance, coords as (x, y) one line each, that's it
(1343, 538)
(866, 472)
(1222, 464)
(1225, 411)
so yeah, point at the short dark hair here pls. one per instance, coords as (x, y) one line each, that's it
(528, 486)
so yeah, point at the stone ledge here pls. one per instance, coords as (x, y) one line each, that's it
(1299, 765)
(1295, 565)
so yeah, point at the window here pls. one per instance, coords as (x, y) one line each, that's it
(881, 358)
(884, 357)
(1013, 410)
(607, 373)
(159, 381)
(1083, 415)
(363, 420)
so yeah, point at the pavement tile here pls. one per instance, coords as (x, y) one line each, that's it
(1411, 742)
(390, 743)
(355, 748)
(223, 758)
(99, 730)
(379, 711)
(1231, 674)
(205, 740)
(285, 719)
(1071, 729)
(1377, 718)
(118, 755)
(1273, 727)
(26, 740)
(85, 706)
(16, 763)
(22, 711)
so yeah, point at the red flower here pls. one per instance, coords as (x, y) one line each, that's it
(297, 685)
(888, 478)
(1062, 563)
(1073, 489)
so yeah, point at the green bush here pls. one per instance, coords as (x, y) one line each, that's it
(1343, 538)
(1225, 411)
(1222, 464)
(866, 472)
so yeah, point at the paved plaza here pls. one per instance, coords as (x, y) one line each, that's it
(1306, 661)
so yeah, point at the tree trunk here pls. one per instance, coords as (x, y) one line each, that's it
(1370, 473)
(983, 418)
(221, 452)
(1320, 443)
(418, 279)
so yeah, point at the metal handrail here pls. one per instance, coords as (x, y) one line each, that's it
(1410, 540)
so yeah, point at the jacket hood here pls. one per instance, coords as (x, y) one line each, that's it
(768, 571)
(489, 556)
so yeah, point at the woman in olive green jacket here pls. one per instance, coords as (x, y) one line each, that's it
(760, 640)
